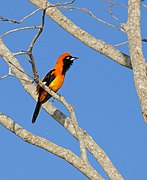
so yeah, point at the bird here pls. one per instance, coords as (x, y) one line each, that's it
(54, 80)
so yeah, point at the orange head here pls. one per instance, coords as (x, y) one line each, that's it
(65, 61)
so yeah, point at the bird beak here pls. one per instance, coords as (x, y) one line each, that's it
(74, 58)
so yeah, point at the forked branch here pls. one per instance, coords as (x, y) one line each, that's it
(47, 145)
(66, 122)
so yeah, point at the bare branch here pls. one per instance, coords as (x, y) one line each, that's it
(9, 73)
(144, 40)
(90, 144)
(19, 69)
(111, 3)
(137, 59)
(77, 132)
(39, 32)
(145, 6)
(22, 20)
(120, 44)
(20, 53)
(114, 17)
(32, 13)
(126, 42)
(92, 15)
(19, 29)
(80, 135)
(5, 76)
(110, 11)
(96, 44)
(29, 52)
(82, 35)
(47, 145)
(59, 4)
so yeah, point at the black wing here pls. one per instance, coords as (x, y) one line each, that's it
(47, 80)
(49, 77)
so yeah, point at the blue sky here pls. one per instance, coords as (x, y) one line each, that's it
(102, 92)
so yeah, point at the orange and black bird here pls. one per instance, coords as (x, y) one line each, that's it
(54, 80)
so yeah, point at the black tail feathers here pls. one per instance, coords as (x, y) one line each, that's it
(36, 112)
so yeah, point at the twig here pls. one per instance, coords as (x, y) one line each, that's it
(115, 3)
(59, 4)
(145, 6)
(29, 52)
(23, 19)
(113, 16)
(70, 108)
(19, 29)
(126, 42)
(20, 53)
(39, 32)
(80, 134)
(120, 44)
(93, 16)
(20, 69)
(32, 13)
(9, 73)
(144, 40)
(110, 11)
(5, 76)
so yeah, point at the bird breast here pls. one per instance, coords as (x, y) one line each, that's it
(56, 83)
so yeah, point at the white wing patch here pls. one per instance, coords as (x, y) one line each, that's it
(44, 82)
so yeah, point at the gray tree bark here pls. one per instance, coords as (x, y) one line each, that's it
(134, 61)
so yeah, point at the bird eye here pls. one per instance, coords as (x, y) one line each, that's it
(68, 57)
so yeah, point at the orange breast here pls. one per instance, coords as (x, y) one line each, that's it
(56, 84)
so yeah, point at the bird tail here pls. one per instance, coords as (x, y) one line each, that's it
(36, 112)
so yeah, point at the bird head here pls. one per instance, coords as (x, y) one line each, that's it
(67, 57)
(66, 60)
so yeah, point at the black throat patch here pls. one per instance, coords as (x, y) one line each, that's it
(66, 65)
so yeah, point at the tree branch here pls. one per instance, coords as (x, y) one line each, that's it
(96, 44)
(90, 144)
(19, 29)
(29, 52)
(93, 16)
(47, 145)
(137, 59)
(70, 108)
(22, 20)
